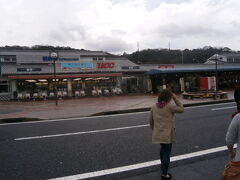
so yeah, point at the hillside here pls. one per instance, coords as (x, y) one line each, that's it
(166, 56)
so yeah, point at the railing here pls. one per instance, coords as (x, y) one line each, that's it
(22, 96)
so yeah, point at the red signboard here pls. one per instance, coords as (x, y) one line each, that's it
(166, 66)
(207, 83)
(105, 65)
(203, 83)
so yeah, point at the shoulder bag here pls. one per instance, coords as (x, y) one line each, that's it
(231, 171)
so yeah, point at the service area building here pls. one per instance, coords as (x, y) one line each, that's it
(30, 73)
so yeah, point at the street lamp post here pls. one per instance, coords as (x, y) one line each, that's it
(182, 56)
(54, 56)
(216, 64)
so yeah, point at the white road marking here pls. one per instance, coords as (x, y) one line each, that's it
(216, 109)
(94, 117)
(140, 165)
(207, 105)
(79, 133)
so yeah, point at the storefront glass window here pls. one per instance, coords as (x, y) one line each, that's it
(33, 86)
(47, 85)
(4, 87)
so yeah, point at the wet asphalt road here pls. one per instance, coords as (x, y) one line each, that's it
(199, 128)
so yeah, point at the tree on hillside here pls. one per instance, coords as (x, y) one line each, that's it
(166, 56)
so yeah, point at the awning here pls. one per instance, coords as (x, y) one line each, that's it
(64, 76)
(192, 69)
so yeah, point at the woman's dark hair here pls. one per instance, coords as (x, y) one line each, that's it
(165, 95)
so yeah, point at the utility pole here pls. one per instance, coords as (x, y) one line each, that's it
(216, 63)
(182, 56)
(54, 57)
(138, 55)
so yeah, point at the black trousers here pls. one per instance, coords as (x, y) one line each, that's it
(165, 153)
(238, 105)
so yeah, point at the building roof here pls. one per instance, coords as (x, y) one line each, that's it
(195, 68)
(224, 57)
(231, 54)
(37, 56)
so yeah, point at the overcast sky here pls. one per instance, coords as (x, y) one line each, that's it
(118, 25)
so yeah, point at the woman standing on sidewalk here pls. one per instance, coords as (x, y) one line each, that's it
(162, 123)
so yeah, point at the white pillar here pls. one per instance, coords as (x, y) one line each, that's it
(118, 79)
(13, 87)
(149, 85)
(69, 87)
(182, 84)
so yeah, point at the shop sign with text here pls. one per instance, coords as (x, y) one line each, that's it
(67, 66)
(48, 58)
(105, 65)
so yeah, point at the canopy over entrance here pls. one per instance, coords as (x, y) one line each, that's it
(65, 76)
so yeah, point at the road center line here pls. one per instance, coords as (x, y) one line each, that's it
(79, 133)
(216, 109)
(140, 165)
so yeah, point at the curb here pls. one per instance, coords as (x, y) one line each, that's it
(14, 120)
(148, 108)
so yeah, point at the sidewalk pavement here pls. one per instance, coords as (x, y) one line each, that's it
(208, 169)
(68, 108)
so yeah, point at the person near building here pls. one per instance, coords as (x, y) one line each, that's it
(162, 123)
(237, 96)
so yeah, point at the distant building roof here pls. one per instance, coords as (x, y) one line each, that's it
(230, 54)
(224, 57)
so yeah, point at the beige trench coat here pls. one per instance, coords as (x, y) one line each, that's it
(162, 122)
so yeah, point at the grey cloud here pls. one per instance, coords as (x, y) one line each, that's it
(68, 34)
(215, 2)
(152, 4)
(236, 24)
(177, 31)
(119, 1)
(110, 44)
(117, 32)
(78, 23)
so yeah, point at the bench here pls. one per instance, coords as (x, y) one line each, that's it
(200, 95)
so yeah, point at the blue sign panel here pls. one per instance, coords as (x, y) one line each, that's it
(76, 65)
(48, 58)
